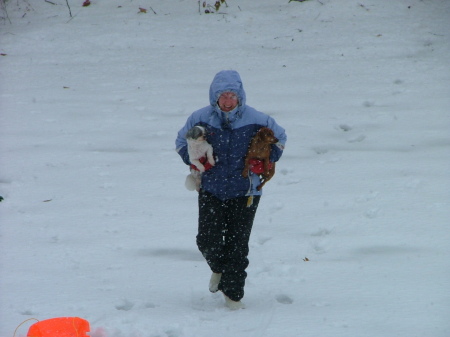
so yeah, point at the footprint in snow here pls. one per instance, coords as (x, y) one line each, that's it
(263, 239)
(125, 305)
(284, 299)
(320, 150)
(357, 139)
(322, 232)
(344, 127)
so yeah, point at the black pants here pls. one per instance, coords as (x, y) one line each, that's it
(224, 229)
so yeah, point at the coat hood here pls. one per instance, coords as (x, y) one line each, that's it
(226, 80)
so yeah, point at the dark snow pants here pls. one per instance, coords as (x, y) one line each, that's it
(224, 229)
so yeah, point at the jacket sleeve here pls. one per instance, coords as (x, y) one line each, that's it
(183, 152)
(276, 152)
(181, 144)
(280, 133)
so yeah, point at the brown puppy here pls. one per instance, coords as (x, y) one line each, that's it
(259, 149)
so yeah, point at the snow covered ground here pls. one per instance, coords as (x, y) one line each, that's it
(96, 221)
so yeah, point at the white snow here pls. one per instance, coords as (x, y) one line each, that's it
(96, 221)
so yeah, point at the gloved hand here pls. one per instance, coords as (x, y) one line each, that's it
(205, 163)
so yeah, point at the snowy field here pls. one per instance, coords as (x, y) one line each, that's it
(352, 235)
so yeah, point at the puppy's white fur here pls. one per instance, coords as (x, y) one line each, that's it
(198, 147)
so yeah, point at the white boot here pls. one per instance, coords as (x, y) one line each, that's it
(214, 282)
(233, 305)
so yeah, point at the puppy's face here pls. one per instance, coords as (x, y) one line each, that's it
(267, 136)
(196, 133)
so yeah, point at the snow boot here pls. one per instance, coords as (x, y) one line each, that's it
(214, 282)
(233, 305)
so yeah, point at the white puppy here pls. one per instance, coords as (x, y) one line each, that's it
(198, 148)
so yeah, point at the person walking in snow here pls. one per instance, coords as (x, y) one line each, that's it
(227, 201)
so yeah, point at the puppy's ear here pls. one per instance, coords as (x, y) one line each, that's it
(263, 133)
(188, 134)
(194, 132)
(268, 133)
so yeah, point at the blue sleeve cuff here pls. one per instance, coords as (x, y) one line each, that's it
(275, 153)
(183, 152)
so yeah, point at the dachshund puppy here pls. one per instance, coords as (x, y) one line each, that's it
(199, 151)
(259, 150)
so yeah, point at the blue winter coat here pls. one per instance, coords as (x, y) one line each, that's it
(230, 135)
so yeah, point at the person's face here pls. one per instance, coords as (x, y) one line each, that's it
(228, 101)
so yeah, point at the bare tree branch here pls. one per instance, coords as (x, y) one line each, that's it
(4, 8)
(70, 12)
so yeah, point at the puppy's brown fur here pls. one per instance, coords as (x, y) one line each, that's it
(259, 148)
